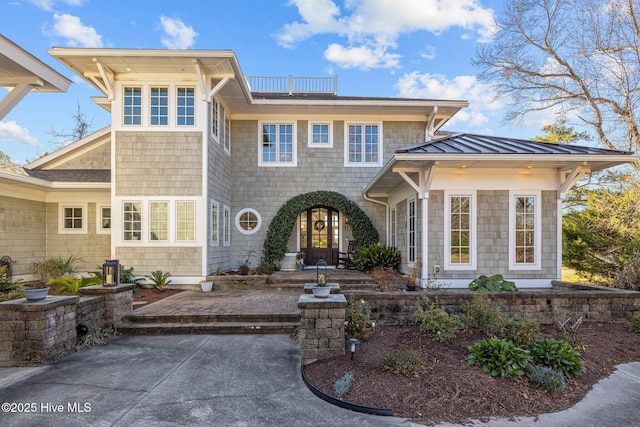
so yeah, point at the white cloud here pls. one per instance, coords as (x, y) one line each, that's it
(177, 35)
(429, 52)
(364, 57)
(76, 33)
(373, 26)
(482, 109)
(12, 131)
(49, 4)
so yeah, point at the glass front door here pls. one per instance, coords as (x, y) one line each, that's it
(319, 235)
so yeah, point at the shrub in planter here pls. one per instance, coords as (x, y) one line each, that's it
(71, 285)
(500, 358)
(547, 379)
(404, 361)
(358, 320)
(437, 323)
(557, 355)
(377, 255)
(480, 314)
(495, 283)
(520, 330)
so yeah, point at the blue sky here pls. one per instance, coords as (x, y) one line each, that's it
(389, 48)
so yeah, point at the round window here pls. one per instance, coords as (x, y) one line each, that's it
(248, 221)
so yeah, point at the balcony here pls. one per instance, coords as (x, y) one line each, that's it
(294, 85)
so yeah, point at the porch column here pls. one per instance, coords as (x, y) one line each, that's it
(424, 239)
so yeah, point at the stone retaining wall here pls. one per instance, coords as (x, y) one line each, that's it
(565, 300)
(41, 332)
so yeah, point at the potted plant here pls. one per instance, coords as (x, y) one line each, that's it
(300, 261)
(36, 292)
(206, 285)
(321, 290)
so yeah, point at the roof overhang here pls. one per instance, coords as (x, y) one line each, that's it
(27, 181)
(389, 179)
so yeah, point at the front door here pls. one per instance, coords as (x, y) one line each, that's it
(319, 235)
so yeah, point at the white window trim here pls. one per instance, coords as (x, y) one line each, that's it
(148, 214)
(320, 145)
(143, 91)
(411, 262)
(225, 131)
(215, 136)
(195, 221)
(214, 238)
(99, 229)
(85, 219)
(253, 211)
(294, 136)
(176, 106)
(346, 145)
(143, 222)
(150, 106)
(537, 265)
(473, 232)
(393, 225)
(226, 225)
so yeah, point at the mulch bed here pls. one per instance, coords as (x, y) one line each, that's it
(446, 389)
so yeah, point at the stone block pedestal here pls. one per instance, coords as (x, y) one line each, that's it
(321, 326)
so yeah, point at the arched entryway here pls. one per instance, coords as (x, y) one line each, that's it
(320, 234)
(283, 223)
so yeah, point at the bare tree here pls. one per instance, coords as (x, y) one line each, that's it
(80, 129)
(579, 56)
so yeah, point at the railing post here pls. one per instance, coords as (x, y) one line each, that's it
(335, 85)
(290, 85)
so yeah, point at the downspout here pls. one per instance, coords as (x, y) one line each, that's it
(386, 205)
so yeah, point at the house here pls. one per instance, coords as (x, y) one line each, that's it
(204, 168)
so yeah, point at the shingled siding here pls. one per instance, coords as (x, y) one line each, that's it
(98, 158)
(493, 236)
(266, 189)
(91, 247)
(22, 232)
(158, 164)
(219, 190)
(177, 260)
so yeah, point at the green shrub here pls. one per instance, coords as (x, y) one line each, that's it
(495, 283)
(342, 385)
(557, 355)
(71, 285)
(519, 330)
(500, 358)
(404, 361)
(377, 255)
(480, 314)
(9, 289)
(634, 323)
(437, 323)
(160, 280)
(547, 379)
(55, 267)
(358, 320)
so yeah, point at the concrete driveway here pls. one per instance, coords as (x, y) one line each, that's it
(179, 380)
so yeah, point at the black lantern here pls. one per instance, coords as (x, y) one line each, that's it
(321, 272)
(111, 273)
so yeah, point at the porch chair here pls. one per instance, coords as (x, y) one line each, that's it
(6, 262)
(345, 259)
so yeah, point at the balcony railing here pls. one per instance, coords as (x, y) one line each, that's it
(292, 85)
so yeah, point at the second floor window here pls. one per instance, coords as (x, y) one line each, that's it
(277, 146)
(364, 145)
(185, 113)
(159, 106)
(132, 109)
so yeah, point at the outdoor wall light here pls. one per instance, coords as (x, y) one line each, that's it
(111, 273)
(352, 346)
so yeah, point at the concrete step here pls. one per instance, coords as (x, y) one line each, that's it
(210, 318)
(343, 286)
(128, 328)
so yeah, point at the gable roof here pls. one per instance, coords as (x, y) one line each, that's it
(466, 143)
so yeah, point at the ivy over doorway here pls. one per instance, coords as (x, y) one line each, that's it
(275, 244)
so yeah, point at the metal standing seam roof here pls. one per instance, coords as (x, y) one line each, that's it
(465, 143)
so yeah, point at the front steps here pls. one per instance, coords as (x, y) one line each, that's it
(134, 324)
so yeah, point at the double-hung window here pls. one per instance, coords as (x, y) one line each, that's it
(185, 104)
(132, 108)
(215, 224)
(524, 231)
(132, 220)
(460, 231)
(214, 119)
(159, 221)
(277, 144)
(186, 221)
(226, 226)
(393, 227)
(363, 144)
(159, 106)
(411, 231)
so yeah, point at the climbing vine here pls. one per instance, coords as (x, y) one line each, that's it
(275, 244)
